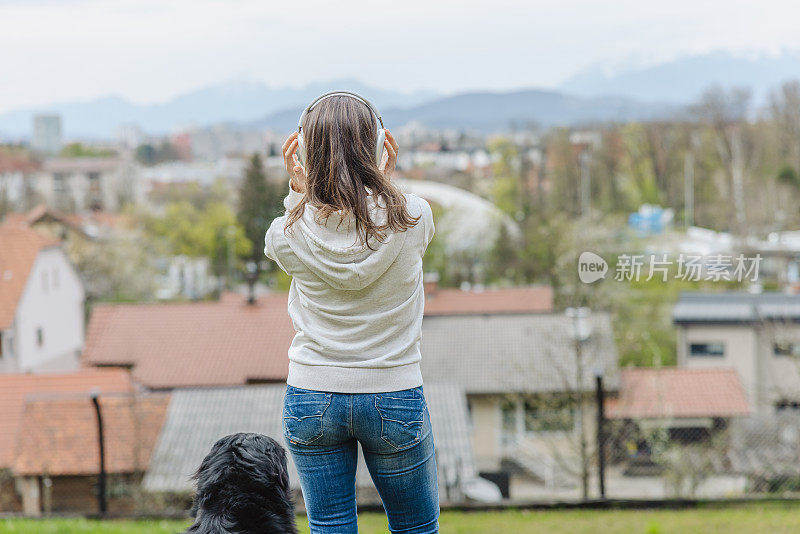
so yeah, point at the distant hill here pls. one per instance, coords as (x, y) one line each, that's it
(493, 111)
(234, 101)
(684, 79)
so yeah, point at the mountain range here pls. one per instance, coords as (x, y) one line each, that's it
(684, 79)
(595, 94)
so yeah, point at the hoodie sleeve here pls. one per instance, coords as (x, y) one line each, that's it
(270, 249)
(292, 199)
(427, 223)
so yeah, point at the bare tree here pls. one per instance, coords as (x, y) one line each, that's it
(726, 114)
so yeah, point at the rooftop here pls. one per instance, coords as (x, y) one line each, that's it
(669, 393)
(173, 345)
(81, 165)
(530, 353)
(536, 299)
(197, 418)
(59, 436)
(15, 389)
(735, 307)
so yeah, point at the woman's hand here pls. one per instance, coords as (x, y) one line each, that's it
(389, 158)
(297, 174)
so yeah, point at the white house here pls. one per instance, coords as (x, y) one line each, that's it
(756, 334)
(41, 303)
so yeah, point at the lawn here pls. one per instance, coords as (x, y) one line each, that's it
(772, 518)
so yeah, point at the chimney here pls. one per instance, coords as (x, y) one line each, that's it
(430, 281)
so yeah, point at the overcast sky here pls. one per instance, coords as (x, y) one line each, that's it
(151, 50)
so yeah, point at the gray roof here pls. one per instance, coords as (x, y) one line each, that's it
(736, 307)
(196, 418)
(520, 353)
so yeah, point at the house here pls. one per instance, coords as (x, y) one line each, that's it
(526, 386)
(41, 303)
(196, 418)
(17, 389)
(756, 334)
(88, 183)
(670, 433)
(58, 458)
(15, 168)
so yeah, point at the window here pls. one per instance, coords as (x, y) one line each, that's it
(509, 412)
(55, 278)
(94, 182)
(1, 345)
(45, 282)
(786, 348)
(39, 337)
(716, 349)
(535, 415)
(59, 183)
(548, 416)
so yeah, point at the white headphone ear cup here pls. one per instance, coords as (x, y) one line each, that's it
(379, 148)
(301, 149)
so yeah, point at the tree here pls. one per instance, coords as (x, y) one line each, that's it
(212, 232)
(260, 201)
(79, 150)
(726, 113)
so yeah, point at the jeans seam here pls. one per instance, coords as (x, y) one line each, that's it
(350, 423)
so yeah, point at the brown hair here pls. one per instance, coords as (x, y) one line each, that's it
(339, 135)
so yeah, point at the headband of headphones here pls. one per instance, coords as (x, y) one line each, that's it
(320, 98)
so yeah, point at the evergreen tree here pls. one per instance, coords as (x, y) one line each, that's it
(259, 203)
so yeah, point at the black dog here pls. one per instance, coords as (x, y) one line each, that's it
(243, 488)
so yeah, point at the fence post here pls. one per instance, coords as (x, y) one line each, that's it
(601, 442)
(101, 479)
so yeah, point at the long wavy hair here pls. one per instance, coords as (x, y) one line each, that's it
(341, 171)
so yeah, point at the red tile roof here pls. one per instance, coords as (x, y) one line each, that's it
(175, 345)
(15, 389)
(536, 299)
(11, 161)
(678, 393)
(19, 247)
(58, 436)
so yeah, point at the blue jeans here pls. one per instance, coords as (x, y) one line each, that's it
(322, 431)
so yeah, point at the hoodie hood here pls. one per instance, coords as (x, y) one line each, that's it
(331, 248)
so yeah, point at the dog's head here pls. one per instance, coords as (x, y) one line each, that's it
(243, 487)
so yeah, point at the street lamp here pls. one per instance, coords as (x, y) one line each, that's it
(580, 332)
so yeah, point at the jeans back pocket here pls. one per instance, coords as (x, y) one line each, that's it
(302, 414)
(402, 417)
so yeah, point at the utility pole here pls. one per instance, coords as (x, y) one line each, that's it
(580, 332)
(101, 478)
(688, 189)
(230, 234)
(586, 182)
(601, 438)
(688, 180)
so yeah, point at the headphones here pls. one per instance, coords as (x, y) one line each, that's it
(301, 146)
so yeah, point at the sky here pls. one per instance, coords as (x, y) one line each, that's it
(149, 51)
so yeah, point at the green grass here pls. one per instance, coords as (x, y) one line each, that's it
(772, 518)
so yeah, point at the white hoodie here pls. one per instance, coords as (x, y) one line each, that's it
(357, 312)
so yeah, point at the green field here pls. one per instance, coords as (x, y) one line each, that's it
(769, 518)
